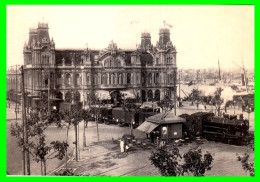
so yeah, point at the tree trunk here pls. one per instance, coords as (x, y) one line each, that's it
(41, 169)
(76, 141)
(44, 168)
(84, 135)
(66, 152)
(96, 118)
(28, 161)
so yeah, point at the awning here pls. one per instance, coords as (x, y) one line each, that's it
(103, 94)
(128, 94)
(147, 127)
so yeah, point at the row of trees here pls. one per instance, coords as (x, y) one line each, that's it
(37, 147)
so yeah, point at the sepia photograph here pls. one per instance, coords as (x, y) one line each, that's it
(130, 90)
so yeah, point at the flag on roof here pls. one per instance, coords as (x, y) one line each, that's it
(166, 24)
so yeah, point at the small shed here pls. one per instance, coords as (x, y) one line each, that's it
(167, 125)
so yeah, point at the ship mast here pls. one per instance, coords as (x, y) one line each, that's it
(219, 75)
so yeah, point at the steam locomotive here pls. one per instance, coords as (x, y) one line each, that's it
(228, 129)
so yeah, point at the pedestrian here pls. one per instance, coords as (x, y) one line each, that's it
(126, 148)
(205, 106)
(157, 141)
(122, 145)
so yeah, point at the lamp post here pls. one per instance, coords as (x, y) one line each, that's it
(179, 88)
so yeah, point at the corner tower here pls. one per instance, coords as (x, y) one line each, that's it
(164, 36)
(145, 41)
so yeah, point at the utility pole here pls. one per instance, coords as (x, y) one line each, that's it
(26, 154)
(83, 106)
(179, 89)
(219, 69)
(16, 92)
(49, 85)
(96, 117)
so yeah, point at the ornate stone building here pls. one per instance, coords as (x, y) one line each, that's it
(68, 75)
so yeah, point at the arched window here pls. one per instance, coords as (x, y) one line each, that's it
(106, 64)
(118, 63)
(104, 79)
(77, 97)
(156, 78)
(88, 79)
(68, 97)
(143, 78)
(96, 79)
(112, 79)
(77, 79)
(128, 78)
(59, 81)
(68, 79)
(120, 79)
(150, 95)
(157, 60)
(149, 78)
(157, 95)
(168, 58)
(137, 78)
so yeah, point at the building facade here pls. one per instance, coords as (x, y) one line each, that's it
(66, 75)
(13, 83)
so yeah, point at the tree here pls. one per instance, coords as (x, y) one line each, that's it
(165, 104)
(130, 106)
(85, 115)
(71, 118)
(93, 100)
(42, 152)
(216, 99)
(247, 166)
(171, 163)
(36, 145)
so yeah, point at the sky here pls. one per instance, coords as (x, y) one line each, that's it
(201, 34)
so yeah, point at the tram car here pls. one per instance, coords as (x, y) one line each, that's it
(106, 115)
(147, 112)
(124, 117)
